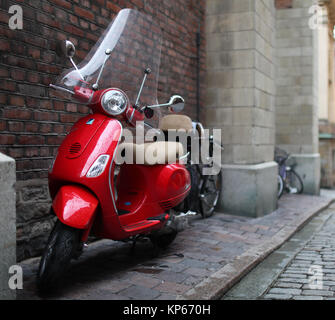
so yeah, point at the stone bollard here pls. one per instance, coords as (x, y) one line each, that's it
(7, 224)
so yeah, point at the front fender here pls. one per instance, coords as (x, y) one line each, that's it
(75, 206)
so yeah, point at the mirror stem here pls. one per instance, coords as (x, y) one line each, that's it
(96, 85)
(146, 72)
(76, 67)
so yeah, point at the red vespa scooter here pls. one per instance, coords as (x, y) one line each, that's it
(88, 197)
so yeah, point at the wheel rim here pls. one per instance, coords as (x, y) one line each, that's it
(210, 193)
(294, 184)
(280, 186)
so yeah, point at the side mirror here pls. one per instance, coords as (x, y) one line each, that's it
(65, 49)
(68, 49)
(177, 103)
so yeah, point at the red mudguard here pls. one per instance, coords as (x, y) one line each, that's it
(75, 206)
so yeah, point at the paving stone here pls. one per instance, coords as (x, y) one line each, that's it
(171, 276)
(294, 275)
(175, 288)
(288, 285)
(318, 293)
(140, 293)
(198, 272)
(148, 282)
(287, 291)
(278, 296)
(308, 298)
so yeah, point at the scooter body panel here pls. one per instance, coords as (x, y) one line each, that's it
(75, 206)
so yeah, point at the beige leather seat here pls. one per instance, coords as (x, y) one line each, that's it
(176, 122)
(180, 122)
(151, 153)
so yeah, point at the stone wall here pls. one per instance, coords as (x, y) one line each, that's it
(240, 83)
(7, 224)
(33, 220)
(297, 82)
(241, 100)
(296, 118)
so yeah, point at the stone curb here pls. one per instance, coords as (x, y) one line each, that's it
(217, 284)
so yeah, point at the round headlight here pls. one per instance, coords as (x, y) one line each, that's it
(114, 102)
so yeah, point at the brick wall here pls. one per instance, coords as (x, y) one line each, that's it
(32, 125)
(283, 4)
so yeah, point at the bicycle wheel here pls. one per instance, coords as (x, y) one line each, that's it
(210, 194)
(280, 186)
(294, 184)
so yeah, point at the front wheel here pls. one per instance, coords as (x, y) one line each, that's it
(62, 246)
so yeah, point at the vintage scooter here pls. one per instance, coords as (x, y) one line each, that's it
(88, 197)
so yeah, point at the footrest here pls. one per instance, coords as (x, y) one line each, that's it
(140, 225)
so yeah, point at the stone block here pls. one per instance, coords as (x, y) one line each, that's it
(249, 190)
(7, 224)
(308, 167)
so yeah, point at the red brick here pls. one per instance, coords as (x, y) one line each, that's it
(18, 74)
(7, 139)
(45, 116)
(84, 13)
(34, 53)
(30, 139)
(46, 128)
(68, 118)
(15, 113)
(4, 72)
(283, 4)
(16, 101)
(112, 6)
(31, 127)
(15, 152)
(55, 140)
(62, 3)
(74, 30)
(32, 152)
(15, 126)
(33, 77)
(7, 85)
(4, 45)
(3, 125)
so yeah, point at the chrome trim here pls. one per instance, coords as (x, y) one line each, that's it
(104, 98)
(111, 165)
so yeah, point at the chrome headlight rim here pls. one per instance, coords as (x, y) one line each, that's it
(106, 98)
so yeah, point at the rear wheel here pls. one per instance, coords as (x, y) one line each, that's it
(63, 245)
(210, 194)
(294, 184)
(280, 186)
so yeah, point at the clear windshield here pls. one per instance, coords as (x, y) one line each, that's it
(134, 40)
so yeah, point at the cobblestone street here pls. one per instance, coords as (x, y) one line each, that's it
(316, 258)
(206, 258)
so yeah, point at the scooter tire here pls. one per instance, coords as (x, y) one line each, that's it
(61, 247)
(163, 238)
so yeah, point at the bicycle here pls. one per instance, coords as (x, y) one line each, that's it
(288, 179)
